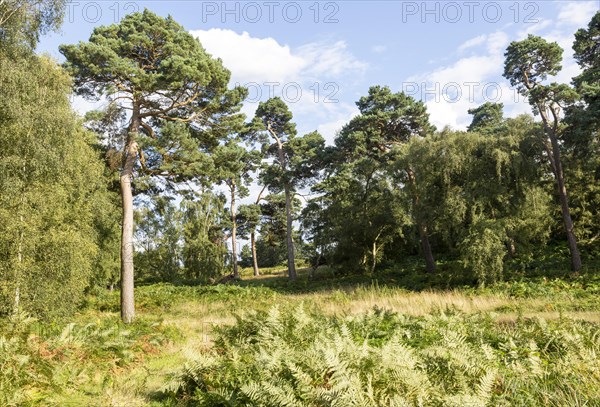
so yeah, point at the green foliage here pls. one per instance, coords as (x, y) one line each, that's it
(486, 117)
(54, 192)
(293, 358)
(164, 296)
(41, 364)
(270, 254)
(582, 134)
(204, 248)
(158, 235)
(483, 252)
(23, 21)
(529, 62)
(369, 194)
(270, 245)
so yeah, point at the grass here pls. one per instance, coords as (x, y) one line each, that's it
(97, 361)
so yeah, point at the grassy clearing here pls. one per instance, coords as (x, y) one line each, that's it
(98, 361)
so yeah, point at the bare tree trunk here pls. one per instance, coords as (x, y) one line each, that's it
(253, 237)
(236, 273)
(254, 258)
(423, 236)
(373, 258)
(512, 250)
(429, 260)
(289, 239)
(556, 164)
(564, 205)
(131, 151)
(17, 301)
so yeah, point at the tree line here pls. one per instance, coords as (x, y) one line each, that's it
(390, 188)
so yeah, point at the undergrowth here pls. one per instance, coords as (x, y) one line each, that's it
(40, 365)
(293, 357)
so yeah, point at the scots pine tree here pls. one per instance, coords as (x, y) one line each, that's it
(173, 99)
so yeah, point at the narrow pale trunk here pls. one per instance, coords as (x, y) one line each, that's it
(423, 235)
(17, 301)
(131, 151)
(254, 258)
(556, 165)
(289, 238)
(20, 239)
(253, 238)
(373, 258)
(512, 249)
(236, 273)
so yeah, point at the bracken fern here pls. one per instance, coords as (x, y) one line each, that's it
(290, 357)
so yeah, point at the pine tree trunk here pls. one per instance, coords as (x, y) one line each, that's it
(131, 151)
(289, 238)
(236, 273)
(556, 164)
(254, 258)
(564, 205)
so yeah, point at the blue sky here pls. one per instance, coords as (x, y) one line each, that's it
(322, 56)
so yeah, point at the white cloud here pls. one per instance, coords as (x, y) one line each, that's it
(577, 13)
(310, 73)
(451, 90)
(494, 42)
(473, 42)
(251, 59)
(497, 42)
(260, 60)
(470, 69)
(330, 59)
(82, 105)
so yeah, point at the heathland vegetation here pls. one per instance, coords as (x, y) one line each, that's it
(427, 266)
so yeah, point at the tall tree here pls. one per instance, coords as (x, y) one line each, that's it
(582, 134)
(293, 159)
(587, 55)
(174, 94)
(234, 165)
(528, 64)
(386, 122)
(204, 220)
(52, 185)
(271, 245)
